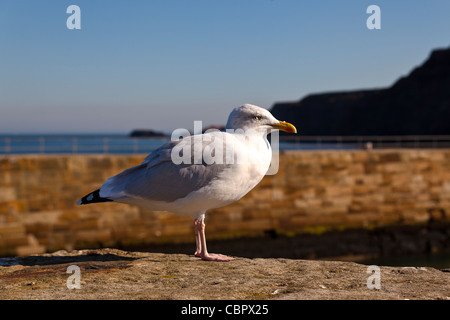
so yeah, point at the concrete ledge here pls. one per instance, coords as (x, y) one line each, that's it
(116, 274)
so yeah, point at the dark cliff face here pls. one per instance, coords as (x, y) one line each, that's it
(418, 104)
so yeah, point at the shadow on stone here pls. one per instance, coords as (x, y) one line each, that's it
(53, 260)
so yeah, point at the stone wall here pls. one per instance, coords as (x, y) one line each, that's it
(313, 192)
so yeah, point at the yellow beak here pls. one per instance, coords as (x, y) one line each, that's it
(285, 126)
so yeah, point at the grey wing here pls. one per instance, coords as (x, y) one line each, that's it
(159, 178)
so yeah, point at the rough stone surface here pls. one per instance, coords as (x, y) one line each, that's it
(115, 274)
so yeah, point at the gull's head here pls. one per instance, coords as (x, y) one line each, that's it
(251, 117)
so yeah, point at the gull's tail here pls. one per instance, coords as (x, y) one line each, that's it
(93, 197)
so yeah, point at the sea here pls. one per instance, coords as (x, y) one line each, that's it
(77, 144)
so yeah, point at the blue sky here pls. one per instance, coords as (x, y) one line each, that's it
(163, 64)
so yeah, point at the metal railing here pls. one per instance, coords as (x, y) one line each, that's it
(368, 142)
(77, 145)
(126, 145)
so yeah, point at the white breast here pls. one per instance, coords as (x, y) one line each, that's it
(235, 181)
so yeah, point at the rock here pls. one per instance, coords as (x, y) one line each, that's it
(116, 274)
(417, 104)
(147, 133)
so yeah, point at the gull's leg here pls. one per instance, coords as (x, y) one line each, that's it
(197, 237)
(199, 225)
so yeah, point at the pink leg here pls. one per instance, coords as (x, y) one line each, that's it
(202, 251)
(197, 238)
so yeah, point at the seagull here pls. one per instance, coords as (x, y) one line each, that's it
(191, 175)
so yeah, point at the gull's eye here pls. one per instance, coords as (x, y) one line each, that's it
(257, 117)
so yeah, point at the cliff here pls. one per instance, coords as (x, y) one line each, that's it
(115, 274)
(417, 104)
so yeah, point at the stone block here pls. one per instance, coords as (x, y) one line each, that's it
(396, 167)
(370, 167)
(362, 189)
(390, 157)
(32, 247)
(334, 190)
(93, 236)
(11, 228)
(8, 194)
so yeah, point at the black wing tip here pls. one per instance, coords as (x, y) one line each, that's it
(93, 197)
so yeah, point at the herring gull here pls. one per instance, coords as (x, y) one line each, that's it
(191, 175)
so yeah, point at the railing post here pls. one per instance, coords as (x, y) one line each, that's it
(41, 145)
(7, 145)
(105, 145)
(416, 142)
(135, 146)
(74, 145)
